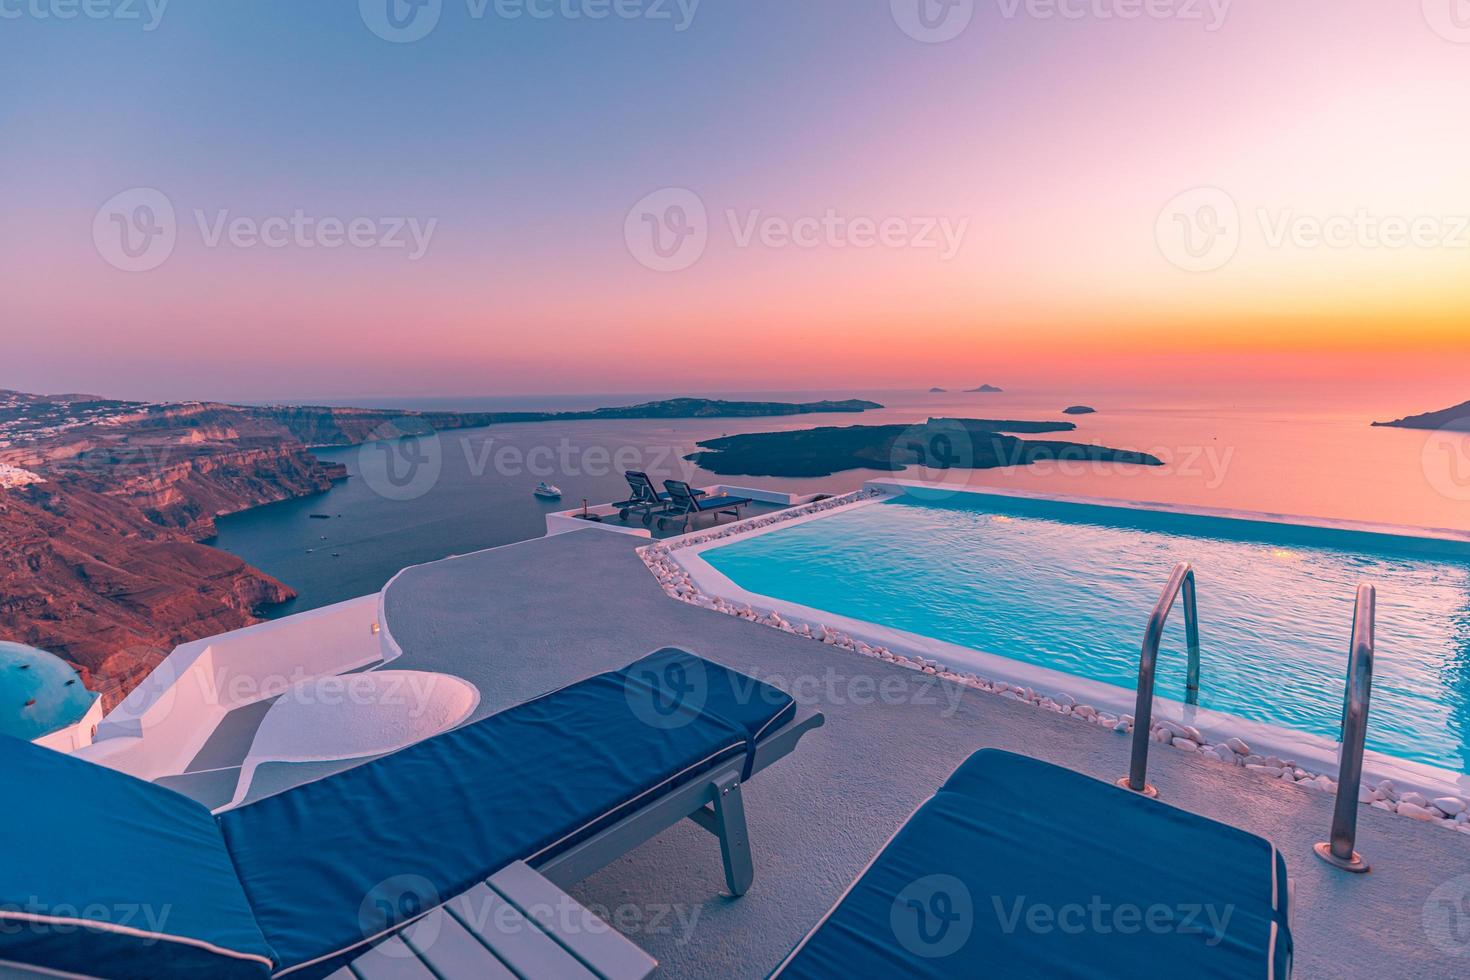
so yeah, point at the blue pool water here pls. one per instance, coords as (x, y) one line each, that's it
(1070, 587)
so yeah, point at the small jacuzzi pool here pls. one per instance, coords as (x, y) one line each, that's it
(1068, 586)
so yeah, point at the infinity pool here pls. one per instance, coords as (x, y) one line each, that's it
(1070, 587)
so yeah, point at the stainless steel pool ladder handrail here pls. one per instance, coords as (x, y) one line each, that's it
(1182, 582)
(1338, 849)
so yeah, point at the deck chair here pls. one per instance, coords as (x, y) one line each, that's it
(685, 504)
(980, 884)
(644, 498)
(430, 862)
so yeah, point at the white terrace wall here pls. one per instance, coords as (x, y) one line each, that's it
(76, 736)
(165, 721)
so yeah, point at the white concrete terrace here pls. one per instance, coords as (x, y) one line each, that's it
(527, 618)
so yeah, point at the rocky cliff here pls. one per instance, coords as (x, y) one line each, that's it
(104, 505)
(88, 576)
(102, 559)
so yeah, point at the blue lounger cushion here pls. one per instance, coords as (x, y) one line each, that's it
(715, 503)
(329, 865)
(703, 687)
(1018, 868)
(102, 873)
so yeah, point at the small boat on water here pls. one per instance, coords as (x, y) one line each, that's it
(547, 492)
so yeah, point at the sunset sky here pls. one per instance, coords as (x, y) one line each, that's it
(1066, 155)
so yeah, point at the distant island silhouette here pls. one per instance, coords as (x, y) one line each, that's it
(937, 391)
(937, 444)
(986, 390)
(1079, 410)
(1456, 419)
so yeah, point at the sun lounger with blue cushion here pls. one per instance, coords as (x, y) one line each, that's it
(1019, 868)
(685, 503)
(410, 865)
(645, 498)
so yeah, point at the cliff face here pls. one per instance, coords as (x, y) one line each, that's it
(89, 577)
(104, 503)
(190, 492)
(102, 561)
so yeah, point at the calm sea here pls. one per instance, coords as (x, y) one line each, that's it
(1305, 453)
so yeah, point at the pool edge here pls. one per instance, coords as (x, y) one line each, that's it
(1314, 752)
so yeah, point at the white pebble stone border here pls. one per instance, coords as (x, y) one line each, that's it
(1450, 812)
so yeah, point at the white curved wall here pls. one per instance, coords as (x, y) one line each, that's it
(165, 721)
